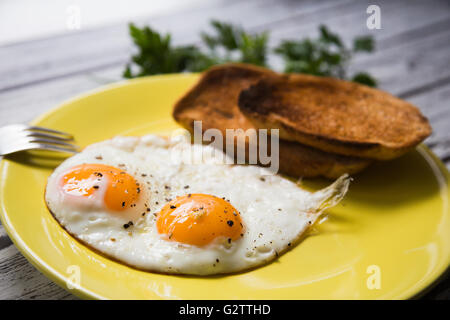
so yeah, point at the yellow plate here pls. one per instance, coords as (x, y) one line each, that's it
(388, 239)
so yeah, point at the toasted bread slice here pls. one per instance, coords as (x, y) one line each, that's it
(335, 116)
(213, 100)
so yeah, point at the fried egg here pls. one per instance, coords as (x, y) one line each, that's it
(139, 201)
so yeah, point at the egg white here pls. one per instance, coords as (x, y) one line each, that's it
(274, 210)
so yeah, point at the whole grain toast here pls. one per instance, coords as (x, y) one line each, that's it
(213, 100)
(335, 116)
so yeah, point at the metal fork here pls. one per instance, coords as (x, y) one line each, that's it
(20, 137)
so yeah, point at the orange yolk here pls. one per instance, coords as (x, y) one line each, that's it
(199, 219)
(85, 180)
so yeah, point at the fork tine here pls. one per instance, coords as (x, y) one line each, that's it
(35, 134)
(42, 129)
(52, 147)
(53, 141)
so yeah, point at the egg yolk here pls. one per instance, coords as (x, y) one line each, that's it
(199, 219)
(122, 190)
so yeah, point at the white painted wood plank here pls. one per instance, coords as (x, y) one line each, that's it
(41, 60)
(25, 104)
(26, 20)
(382, 63)
(435, 105)
(4, 239)
(20, 280)
(339, 18)
(411, 65)
(397, 19)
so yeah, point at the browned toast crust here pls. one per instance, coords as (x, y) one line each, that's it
(213, 100)
(335, 115)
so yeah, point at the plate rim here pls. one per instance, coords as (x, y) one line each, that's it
(82, 291)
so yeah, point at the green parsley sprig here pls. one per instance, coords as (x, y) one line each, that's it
(236, 44)
(325, 56)
(156, 55)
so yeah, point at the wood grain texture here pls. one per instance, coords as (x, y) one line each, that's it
(4, 240)
(412, 61)
(111, 46)
(20, 280)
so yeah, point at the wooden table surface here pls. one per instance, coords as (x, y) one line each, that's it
(412, 61)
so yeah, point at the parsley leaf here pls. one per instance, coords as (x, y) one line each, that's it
(230, 43)
(326, 36)
(366, 44)
(157, 55)
(226, 35)
(364, 78)
(325, 56)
